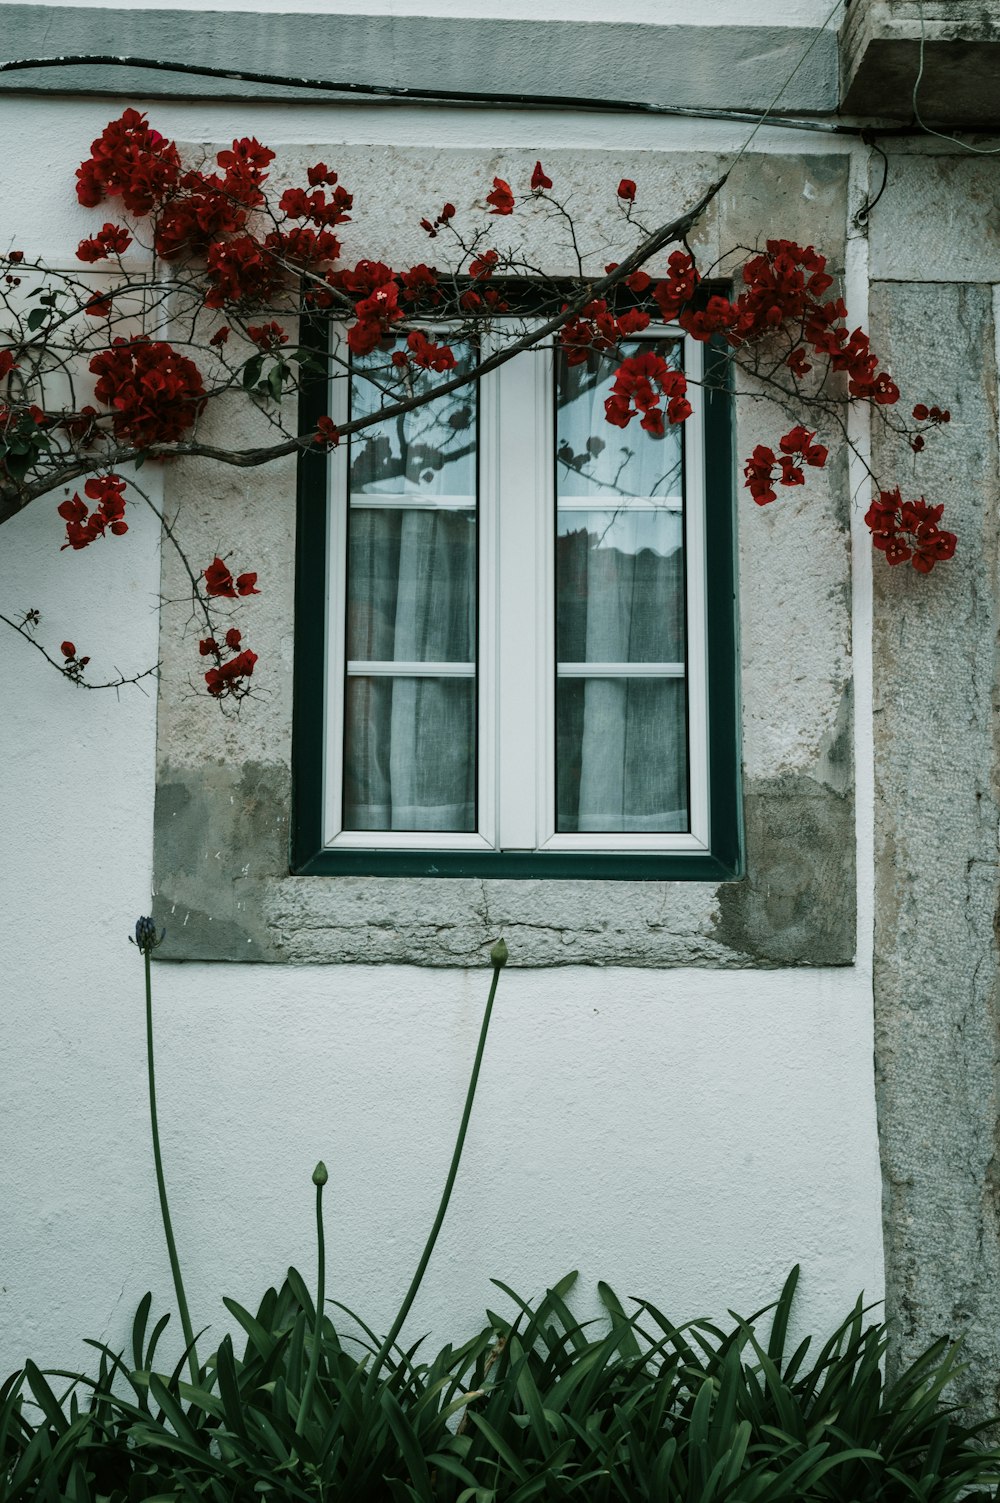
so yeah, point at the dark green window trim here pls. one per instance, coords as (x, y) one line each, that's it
(724, 861)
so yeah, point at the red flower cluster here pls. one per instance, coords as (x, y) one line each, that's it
(219, 581)
(84, 525)
(296, 203)
(501, 197)
(377, 310)
(112, 240)
(435, 357)
(155, 394)
(635, 391)
(267, 337)
(596, 328)
(240, 273)
(420, 284)
(783, 289)
(933, 417)
(797, 449)
(227, 677)
(131, 161)
(448, 212)
(908, 530)
(327, 433)
(678, 287)
(481, 268)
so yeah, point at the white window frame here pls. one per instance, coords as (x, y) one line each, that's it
(516, 665)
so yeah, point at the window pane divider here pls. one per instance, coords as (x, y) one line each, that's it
(410, 501)
(612, 501)
(363, 668)
(620, 670)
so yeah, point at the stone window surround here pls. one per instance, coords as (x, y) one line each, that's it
(223, 808)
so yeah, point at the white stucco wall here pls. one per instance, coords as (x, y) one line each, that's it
(685, 1135)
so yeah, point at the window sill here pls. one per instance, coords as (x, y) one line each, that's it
(576, 866)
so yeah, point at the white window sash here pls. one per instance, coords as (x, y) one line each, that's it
(517, 668)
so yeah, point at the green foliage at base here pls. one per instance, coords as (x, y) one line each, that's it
(535, 1407)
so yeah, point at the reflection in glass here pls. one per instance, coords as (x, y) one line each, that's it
(619, 587)
(595, 458)
(430, 451)
(411, 585)
(409, 754)
(621, 755)
(621, 739)
(410, 741)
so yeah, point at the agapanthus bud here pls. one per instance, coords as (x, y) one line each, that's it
(146, 938)
(320, 1175)
(499, 955)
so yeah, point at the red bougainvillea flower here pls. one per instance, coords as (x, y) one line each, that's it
(112, 240)
(797, 448)
(639, 382)
(220, 336)
(99, 306)
(321, 210)
(539, 179)
(241, 274)
(759, 472)
(154, 393)
(627, 190)
(420, 285)
(219, 581)
(84, 525)
(677, 288)
(267, 337)
(375, 315)
(208, 647)
(482, 267)
(82, 426)
(447, 213)
(68, 650)
(906, 531)
(233, 638)
(326, 433)
(501, 198)
(7, 363)
(595, 327)
(435, 357)
(228, 677)
(129, 160)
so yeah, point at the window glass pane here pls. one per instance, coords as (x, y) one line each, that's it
(430, 451)
(411, 585)
(620, 586)
(595, 459)
(410, 741)
(621, 740)
(409, 761)
(621, 755)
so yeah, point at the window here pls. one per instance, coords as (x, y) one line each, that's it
(515, 632)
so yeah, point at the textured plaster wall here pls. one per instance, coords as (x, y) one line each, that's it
(686, 1135)
(937, 805)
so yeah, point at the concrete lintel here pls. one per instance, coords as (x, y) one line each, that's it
(697, 66)
(880, 61)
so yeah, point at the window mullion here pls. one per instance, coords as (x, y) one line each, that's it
(523, 594)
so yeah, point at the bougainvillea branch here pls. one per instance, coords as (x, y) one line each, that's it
(195, 281)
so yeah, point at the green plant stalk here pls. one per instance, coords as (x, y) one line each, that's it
(310, 1384)
(498, 955)
(168, 1231)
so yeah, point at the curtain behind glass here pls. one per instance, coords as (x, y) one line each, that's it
(410, 743)
(621, 739)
